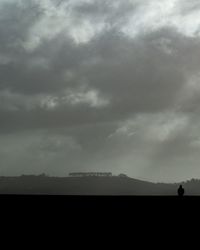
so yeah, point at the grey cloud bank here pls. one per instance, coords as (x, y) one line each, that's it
(100, 85)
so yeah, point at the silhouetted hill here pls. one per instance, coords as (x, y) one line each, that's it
(91, 186)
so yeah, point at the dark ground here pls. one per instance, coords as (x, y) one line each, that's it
(69, 199)
(100, 207)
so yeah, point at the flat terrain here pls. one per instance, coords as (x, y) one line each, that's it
(90, 186)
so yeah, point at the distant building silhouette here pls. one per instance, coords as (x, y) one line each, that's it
(87, 174)
(180, 191)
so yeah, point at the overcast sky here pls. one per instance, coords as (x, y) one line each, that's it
(100, 85)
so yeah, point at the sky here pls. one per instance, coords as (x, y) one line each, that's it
(100, 85)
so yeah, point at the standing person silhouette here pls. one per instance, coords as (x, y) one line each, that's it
(180, 191)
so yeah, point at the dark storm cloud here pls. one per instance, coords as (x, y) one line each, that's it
(99, 77)
(136, 76)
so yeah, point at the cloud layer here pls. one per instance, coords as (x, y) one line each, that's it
(100, 85)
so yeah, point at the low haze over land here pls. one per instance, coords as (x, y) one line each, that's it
(91, 185)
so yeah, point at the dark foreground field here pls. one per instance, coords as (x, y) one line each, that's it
(98, 199)
(100, 210)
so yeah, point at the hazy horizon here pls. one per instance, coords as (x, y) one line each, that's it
(110, 85)
(113, 175)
